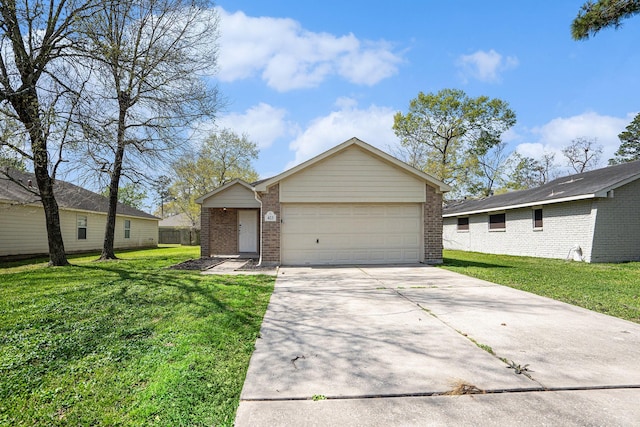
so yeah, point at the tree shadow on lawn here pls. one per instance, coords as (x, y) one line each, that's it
(172, 287)
(119, 318)
(453, 262)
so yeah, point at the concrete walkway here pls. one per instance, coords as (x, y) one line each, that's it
(396, 345)
(234, 267)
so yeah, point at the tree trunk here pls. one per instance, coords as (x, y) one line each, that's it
(26, 107)
(108, 251)
(57, 255)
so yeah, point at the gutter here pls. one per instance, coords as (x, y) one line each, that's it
(255, 195)
(522, 205)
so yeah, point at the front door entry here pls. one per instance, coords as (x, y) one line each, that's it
(247, 231)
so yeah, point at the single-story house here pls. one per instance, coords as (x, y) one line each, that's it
(593, 216)
(83, 217)
(353, 204)
(179, 229)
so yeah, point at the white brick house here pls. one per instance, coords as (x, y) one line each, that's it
(593, 216)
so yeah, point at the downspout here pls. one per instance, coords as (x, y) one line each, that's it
(255, 195)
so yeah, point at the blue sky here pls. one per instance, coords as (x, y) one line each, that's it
(302, 77)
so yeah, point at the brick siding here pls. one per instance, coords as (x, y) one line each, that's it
(564, 225)
(433, 226)
(205, 238)
(270, 230)
(222, 238)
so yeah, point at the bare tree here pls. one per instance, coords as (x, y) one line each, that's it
(488, 168)
(526, 172)
(149, 59)
(13, 142)
(35, 38)
(583, 154)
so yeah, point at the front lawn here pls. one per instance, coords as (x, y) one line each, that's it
(125, 342)
(612, 289)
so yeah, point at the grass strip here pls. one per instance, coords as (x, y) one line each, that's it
(612, 289)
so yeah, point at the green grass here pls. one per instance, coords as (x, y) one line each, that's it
(612, 289)
(125, 342)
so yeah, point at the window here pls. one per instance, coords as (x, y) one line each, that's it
(127, 228)
(463, 224)
(82, 227)
(497, 222)
(537, 218)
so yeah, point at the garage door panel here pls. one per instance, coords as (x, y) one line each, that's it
(351, 234)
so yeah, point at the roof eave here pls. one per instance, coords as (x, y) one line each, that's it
(524, 205)
(223, 187)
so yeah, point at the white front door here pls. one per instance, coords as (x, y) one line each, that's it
(247, 231)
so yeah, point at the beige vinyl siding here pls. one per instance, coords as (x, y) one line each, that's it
(144, 233)
(236, 196)
(353, 175)
(23, 231)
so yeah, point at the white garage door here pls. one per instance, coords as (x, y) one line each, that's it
(350, 234)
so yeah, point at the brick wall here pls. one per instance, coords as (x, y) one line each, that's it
(564, 225)
(433, 226)
(271, 230)
(223, 231)
(205, 238)
(616, 234)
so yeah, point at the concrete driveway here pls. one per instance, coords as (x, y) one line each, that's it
(398, 346)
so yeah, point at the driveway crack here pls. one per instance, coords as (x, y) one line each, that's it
(448, 393)
(518, 369)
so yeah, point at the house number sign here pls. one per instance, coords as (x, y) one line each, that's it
(270, 217)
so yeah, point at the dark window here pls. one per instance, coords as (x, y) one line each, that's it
(127, 228)
(82, 227)
(463, 224)
(537, 218)
(497, 222)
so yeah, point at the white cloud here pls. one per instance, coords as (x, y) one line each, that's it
(289, 57)
(559, 133)
(263, 124)
(485, 66)
(372, 125)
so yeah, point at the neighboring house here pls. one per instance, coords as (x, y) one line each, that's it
(593, 216)
(353, 204)
(179, 229)
(83, 216)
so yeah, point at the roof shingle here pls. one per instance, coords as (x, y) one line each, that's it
(68, 196)
(584, 185)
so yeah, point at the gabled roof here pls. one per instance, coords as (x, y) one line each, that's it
(586, 185)
(179, 220)
(222, 188)
(68, 196)
(264, 184)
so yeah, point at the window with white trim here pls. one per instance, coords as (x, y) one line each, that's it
(497, 221)
(82, 227)
(463, 224)
(127, 229)
(537, 219)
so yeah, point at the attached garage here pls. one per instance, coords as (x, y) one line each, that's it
(344, 233)
(353, 204)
